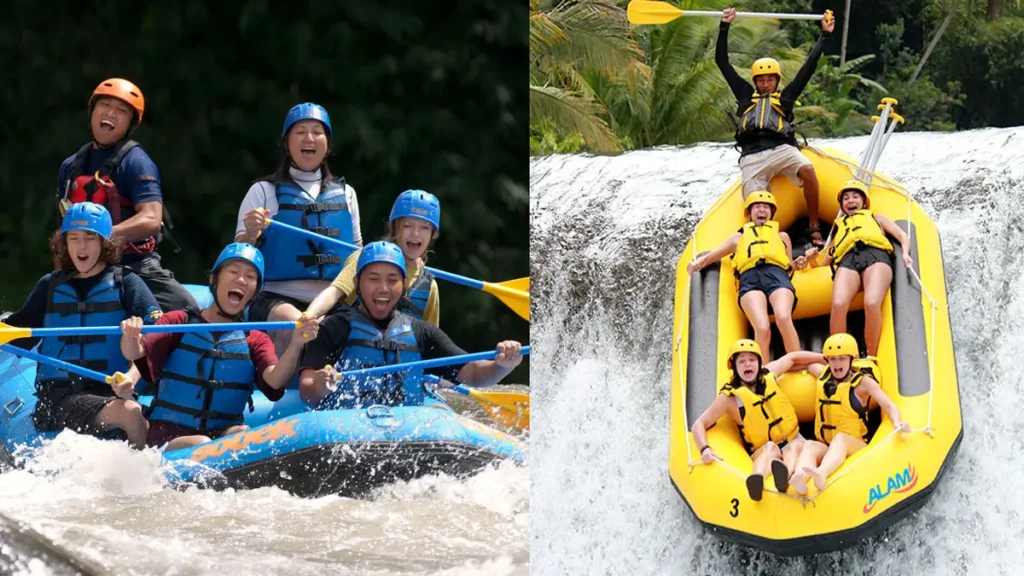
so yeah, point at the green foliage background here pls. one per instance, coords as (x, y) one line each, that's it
(420, 96)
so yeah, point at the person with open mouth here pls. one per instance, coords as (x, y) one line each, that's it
(375, 333)
(206, 380)
(764, 415)
(115, 172)
(414, 225)
(860, 256)
(302, 192)
(88, 288)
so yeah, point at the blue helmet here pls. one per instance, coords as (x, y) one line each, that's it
(89, 217)
(241, 251)
(307, 111)
(417, 204)
(381, 252)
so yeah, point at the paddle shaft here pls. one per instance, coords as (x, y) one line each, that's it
(162, 328)
(436, 380)
(321, 238)
(66, 366)
(773, 15)
(447, 361)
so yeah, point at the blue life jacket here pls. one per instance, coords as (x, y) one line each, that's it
(205, 384)
(418, 294)
(291, 257)
(367, 347)
(101, 307)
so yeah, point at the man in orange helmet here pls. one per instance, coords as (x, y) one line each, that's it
(765, 133)
(114, 171)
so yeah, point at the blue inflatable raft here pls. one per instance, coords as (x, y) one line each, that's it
(307, 453)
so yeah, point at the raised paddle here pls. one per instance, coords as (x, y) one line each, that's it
(648, 12)
(8, 333)
(65, 366)
(513, 293)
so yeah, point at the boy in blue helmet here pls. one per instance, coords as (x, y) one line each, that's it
(377, 334)
(303, 193)
(87, 288)
(414, 226)
(205, 380)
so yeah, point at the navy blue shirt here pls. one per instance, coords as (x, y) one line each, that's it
(137, 179)
(136, 299)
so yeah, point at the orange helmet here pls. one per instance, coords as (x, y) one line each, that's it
(122, 90)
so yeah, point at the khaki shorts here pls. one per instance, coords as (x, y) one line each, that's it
(759, 168)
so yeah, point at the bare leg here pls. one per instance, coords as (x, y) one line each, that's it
(234, 430)
(810, 180)
(763, 457)
(842, 447)
(809, 457)
(755, 306)
(877, 279)
(283, 312)
(186, 442)
(844, 289)
(126, 415)
(782, 304)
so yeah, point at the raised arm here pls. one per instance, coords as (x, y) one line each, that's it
(741, 89)
(794, 361)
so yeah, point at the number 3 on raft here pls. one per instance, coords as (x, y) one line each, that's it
(735, 507)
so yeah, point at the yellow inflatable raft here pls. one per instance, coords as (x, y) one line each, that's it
(878, 485)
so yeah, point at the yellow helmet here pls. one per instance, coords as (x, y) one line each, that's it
(854, 185)
(765, 66)
(743, 345)
(760, 197)
(841, 344)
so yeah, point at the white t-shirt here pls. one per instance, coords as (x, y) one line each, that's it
(264, 195)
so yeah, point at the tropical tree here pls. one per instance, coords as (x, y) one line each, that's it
(828, 105)
(571, 44)
(688, 99)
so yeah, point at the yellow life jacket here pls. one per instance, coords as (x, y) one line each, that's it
(857, 228)
(835, 411)
(765, 417)
(765, 113)
(759, 244)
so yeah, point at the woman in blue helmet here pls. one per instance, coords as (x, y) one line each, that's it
(303, 193)
(87, 288)
(205, 380)
(376, 333)
(414, 226)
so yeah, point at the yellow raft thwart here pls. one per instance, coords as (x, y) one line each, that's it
(895, 473)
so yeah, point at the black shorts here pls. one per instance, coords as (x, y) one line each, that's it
(859, 258)
(74, 411)
(765, 278)
(267, 301)
(169, 293)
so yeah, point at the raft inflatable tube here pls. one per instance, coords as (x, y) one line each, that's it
(877, 486)
(307, 453)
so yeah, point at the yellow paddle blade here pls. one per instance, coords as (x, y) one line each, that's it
(511, 409)
(513, 293)
(647, 12)
(8, 333)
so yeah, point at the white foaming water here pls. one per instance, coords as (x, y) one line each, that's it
(606, 235)
(110, 506)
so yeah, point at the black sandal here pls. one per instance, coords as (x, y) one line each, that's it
(781, 476)
(755, 486)
(820, 241)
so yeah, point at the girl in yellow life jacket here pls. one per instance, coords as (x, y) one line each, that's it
(762, 258)
(764, 415)
(844, 394)
(861, 253)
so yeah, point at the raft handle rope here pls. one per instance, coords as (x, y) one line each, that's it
(679, 341)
